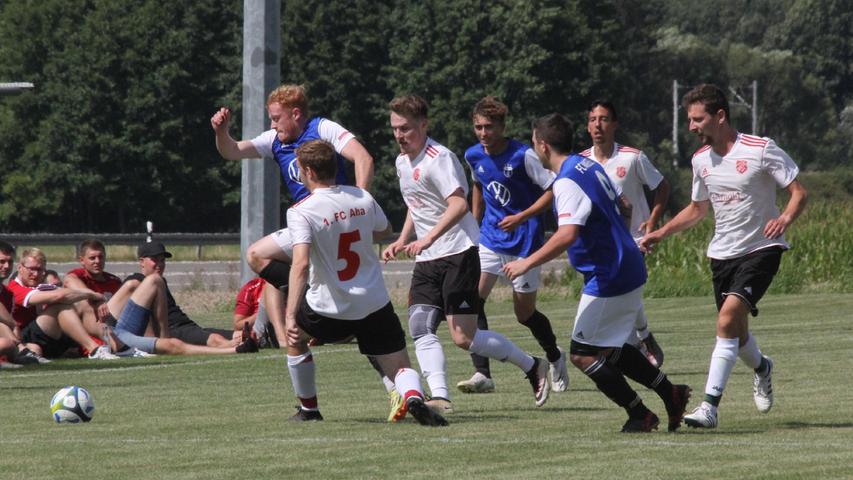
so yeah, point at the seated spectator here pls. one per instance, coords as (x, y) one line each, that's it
(51, 277)
(252, 299)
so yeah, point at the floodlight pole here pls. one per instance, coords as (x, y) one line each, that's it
(259, 189)
(15, 88)
(675, 123)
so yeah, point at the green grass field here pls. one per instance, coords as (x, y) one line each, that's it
(225, 417)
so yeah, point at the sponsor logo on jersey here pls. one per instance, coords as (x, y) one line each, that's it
(500, 192)
(416, 174)
(621, 172)
(293, 171)
(740, 166)
(508, 170)
(727, 197)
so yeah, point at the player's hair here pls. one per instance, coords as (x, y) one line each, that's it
(90, 244)
(7, 248)
(33, 252)
(290, 96)
(556, 130)
(411, 106)
(491, 108)
(604, 103)
(52, 272)
(319, 156)
(710, 96)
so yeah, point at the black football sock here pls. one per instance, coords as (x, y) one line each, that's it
(540, 327)
(611, 382)
(481, 363)
(636, 366)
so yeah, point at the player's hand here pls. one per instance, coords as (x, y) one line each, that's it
(102, 312)
(220, 120)
(776, 227)
(237, 336)
(294, 334)
(390, 252)
(648, 241)
(511, 222)
(414, 249)
(516, 268)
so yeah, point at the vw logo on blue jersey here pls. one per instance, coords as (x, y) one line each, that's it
(500, 192)
(293, 171)
(507, 170)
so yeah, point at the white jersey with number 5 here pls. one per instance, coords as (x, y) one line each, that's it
(345, 280)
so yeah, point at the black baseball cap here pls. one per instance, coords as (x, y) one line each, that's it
(152, 249)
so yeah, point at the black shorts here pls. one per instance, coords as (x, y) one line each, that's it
(748, 276)
(51, 347)
(449, 283)
(189, 333)
(379, 333)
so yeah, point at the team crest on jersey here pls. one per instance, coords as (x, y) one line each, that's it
(621, 172)
(500, 192)
(740, 166)
(293, 171)
(508, 170)
(416, 174)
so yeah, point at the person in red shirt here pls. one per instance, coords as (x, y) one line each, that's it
(9, 339)
(92, 255)
(253, 298)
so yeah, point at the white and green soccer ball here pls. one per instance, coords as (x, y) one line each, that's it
(72, 405)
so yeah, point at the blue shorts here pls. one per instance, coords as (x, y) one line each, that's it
(130, 328)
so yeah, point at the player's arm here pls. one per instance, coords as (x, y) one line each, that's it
(658, 206)
(457, 207)
(72, 281)
(478, 205)
(692, 214)
(240, 319)
(394, 248)
(553, 248)
(511, 222)
(298, 281)
(793, 209)
(355, 152)
(6, 318)
(64, 295)
(229, 148)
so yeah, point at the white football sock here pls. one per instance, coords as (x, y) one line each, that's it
(302, 377)
(749, 352)
(488, 343)
(408, 383)
(433, 367)
(722, 361)
(389, 385)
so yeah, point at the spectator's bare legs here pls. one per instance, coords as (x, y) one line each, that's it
(59, 318)
(274, 306)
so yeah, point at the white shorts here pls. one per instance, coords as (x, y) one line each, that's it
(282, 238)
(491, 262)
(608, 321)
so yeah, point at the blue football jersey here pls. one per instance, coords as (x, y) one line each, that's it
(507, 190)
(605, 253)
(285, 155)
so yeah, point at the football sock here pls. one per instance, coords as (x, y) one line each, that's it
(408, 383)
(302, 373)
(540, 327)
(611, 383)
(635, 366)
(277, 273)
(749, 352)
(481, 363)
(722, 361)
(494, 345)
(433, 366)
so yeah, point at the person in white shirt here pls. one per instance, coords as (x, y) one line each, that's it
(332, 231)
(447, 264)
(629, 169)
(737, 175)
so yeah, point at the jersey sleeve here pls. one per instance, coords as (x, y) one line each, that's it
(380, 221)
(699, 192)
(298, 226)
(573, 205)
(334, 133)
(21, 293)
(448, 175)
(263, 143)
(649, 175)
(779, 165)
(536, 171)
(474, 177)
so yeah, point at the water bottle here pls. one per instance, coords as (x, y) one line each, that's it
(105, 337)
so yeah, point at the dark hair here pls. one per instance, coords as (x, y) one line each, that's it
(319, 156)
(491, 108)
(602, 102)
(411, 106)
(709, 95)
(7, 248)
(556, 130)
(51, 272)
(90, 244)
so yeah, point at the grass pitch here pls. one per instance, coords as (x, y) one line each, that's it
(225, 417)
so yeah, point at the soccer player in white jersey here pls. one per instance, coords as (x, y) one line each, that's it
(629, 169)
(333, 230)
(447, 265)
(737, 175)
(511, 191)
(596, 238)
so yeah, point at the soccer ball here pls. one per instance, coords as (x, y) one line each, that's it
(72, 405)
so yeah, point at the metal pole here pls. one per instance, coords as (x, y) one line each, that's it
(259, 191)
(15, 88)
(675, 123)
(755, 107)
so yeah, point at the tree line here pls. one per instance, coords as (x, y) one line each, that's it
(117, 129)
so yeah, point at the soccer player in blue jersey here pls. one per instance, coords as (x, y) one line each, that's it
(600, 246)
(511, 190)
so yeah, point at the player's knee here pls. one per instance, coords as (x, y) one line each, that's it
(255, 259)
(423, 320)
